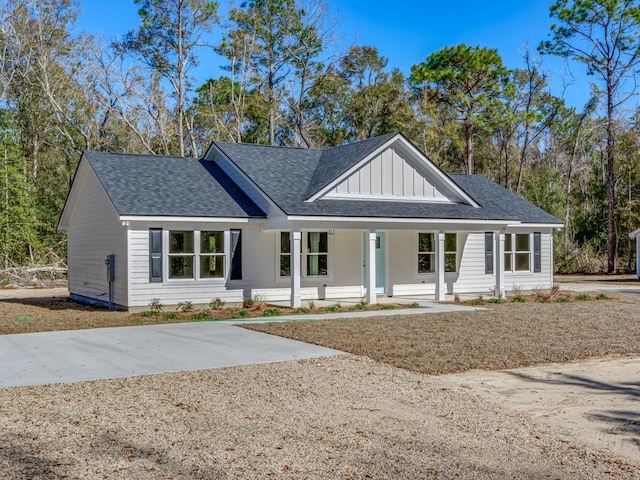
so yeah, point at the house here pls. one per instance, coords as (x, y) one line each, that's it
(364, 219)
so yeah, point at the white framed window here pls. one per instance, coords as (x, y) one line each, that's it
(314, 254)
(196, 255)
(517, 252)
(427, 252)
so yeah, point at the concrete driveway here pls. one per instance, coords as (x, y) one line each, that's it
(79, 355)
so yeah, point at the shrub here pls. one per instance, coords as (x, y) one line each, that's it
(362, 306)
(542, 300)
(200, 316)
(186, 306)
(477, 301)
(583, 296)
(171, 316)
(312, 305)
(602, 296)
(387, 306)
(216, 303)
(247, 303)
(149, 313)
(414, 305)
(562, 299)
(241, 314)
(302, 310)
(496, 300)
(518, 299)
(272, 312)
(334, 308)
(155, 306)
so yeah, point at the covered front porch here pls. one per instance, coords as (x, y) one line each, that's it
(404, 261)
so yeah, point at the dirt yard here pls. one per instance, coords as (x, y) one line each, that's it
(352, 417)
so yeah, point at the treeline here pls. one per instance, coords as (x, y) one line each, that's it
(286, 81)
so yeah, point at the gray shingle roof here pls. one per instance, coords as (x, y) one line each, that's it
(169, 186)
(290, 175)
(175, 186)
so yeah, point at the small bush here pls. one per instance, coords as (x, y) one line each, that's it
(496, 300)
(241, 314)
(362, 306)
(414, 305)
(156, 306)
(477, 301)
(542, 300)
(602, 296)
(583, 296)
(186, 306)
(312, 305)
(302, 310)
(518, 299)
(171, 316)
(272, 312)
(216, 303)
(248, 303)
(200, 316)
(387, 306)
(334, 308)
(149, 313)
(562, 299)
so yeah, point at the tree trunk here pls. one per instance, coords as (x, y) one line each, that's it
(468, 134)
(611, 233)
(181, 81)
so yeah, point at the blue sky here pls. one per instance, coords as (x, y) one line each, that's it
(405, 32)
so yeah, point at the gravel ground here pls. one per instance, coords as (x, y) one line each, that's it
(343, 417)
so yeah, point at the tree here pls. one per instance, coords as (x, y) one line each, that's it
(605, 36)
(468, 79)
(167, 42)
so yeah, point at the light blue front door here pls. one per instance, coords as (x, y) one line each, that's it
(381, 273)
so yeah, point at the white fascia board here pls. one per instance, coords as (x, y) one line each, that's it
(635, 233)
(538, 225)
(284, 223)
(260, 192)
(73, 197)
(377, 151)
(139, 218)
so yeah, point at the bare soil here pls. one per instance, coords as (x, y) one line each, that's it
(508, 335)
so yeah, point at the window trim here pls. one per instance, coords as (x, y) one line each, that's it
(196, 256)
(510, 269)
(304, 254)
(435, 260)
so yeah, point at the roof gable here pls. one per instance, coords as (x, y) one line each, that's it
(393, 171)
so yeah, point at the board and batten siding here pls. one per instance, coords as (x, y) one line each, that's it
(94, 232)
(387, 175)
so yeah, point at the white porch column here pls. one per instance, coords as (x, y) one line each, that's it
(441, 288)
(372, 298)
(499, 264)
(296, 297)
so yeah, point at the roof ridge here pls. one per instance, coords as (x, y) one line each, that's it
(269, 146)
(155, 155)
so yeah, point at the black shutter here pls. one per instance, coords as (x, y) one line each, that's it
(488, 252)
(236, 255)
(537, 254)
(155, 254)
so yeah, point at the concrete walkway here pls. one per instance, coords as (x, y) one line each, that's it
(80, 355)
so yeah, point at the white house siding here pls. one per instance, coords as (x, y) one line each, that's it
(95, 232)
(388, 175)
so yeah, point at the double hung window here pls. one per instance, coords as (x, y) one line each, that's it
(314, 253)
(427, 252)
(200, 252)
(517, 252)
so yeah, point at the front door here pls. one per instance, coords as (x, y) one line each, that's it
(381, 274)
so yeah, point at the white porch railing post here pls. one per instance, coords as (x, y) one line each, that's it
(296, 297)
(441, 288)
(499, 264)
(372, 298)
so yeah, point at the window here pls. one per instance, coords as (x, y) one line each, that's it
(181, 254)
(196, 255)
(314, 254)
(212, 255)
(427, 252)
(517, 252)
